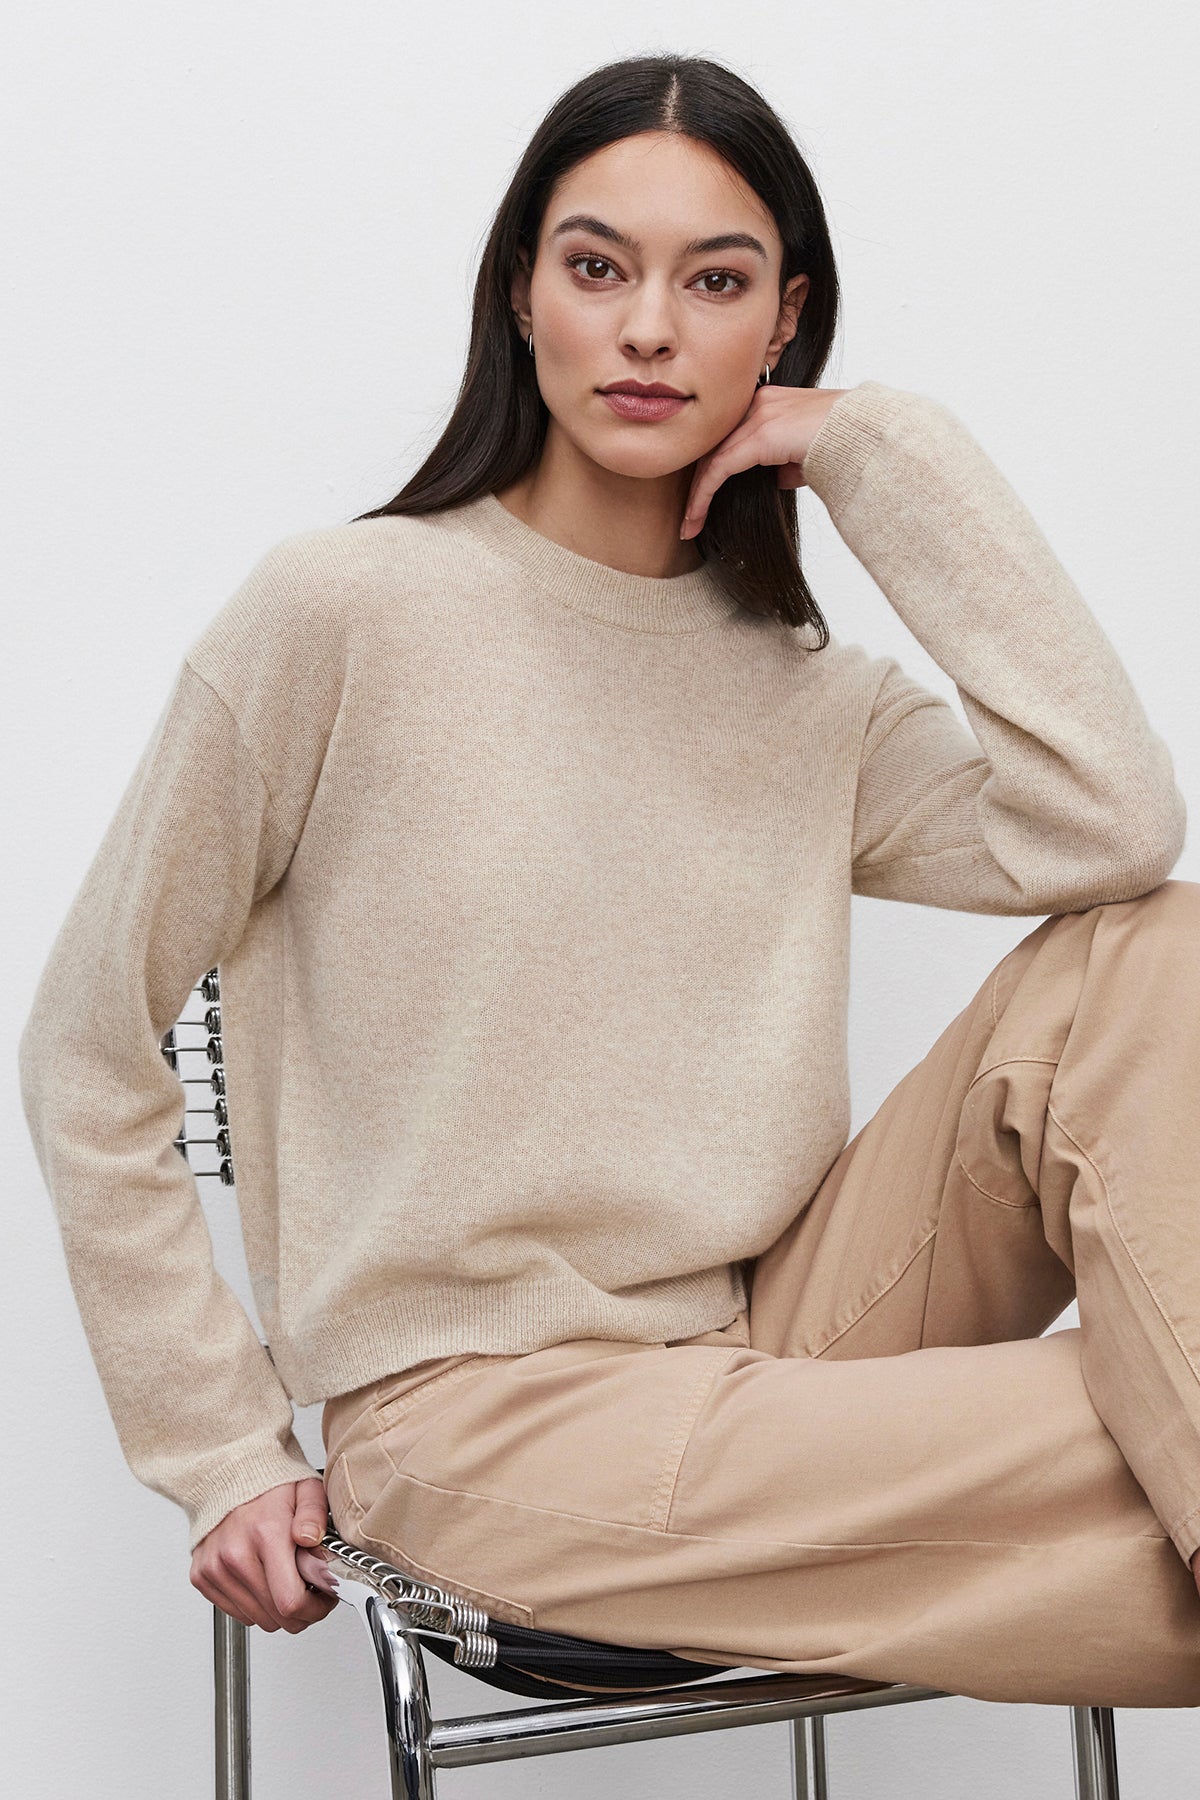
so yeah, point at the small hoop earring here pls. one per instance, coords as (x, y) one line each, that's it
(531, 343)
(765, 377)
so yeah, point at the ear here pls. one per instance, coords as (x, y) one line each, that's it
(519, 292)
(790, 307)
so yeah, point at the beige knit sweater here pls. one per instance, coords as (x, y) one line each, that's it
(529, 882)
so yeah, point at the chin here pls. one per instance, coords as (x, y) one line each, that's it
(641, 468)
(646, 462)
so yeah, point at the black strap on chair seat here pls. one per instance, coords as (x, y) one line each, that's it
(544, 1663)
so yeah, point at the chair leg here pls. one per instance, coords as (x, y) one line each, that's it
(809, 1776)
(1095, 1746)
(231, 1687)
(405, 1703)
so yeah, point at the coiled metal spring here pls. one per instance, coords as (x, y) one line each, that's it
(447, 1614)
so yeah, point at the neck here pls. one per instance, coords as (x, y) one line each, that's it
(629, 523)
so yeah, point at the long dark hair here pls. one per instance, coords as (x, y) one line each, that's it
(498, 425)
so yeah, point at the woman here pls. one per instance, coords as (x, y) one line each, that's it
(523, 815)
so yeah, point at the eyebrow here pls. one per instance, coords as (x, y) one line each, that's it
(726, 240)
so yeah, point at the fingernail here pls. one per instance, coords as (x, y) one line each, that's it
(309, 1536)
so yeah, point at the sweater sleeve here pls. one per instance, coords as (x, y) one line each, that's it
(196, 840)
(1061, 796)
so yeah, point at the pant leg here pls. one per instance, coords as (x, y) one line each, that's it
(1048, 1145)
(847, 1492)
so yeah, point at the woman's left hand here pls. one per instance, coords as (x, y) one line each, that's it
(778, 427)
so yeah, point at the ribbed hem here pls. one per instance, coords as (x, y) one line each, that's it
(443, 1320)
(669, 603)
(854, 428)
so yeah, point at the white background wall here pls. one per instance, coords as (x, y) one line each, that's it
(240, 249)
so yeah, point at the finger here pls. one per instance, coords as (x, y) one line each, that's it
(702, 474)
(317, 1604)
(315, 1570)
(226, 1604)
(293, 1602)
(311, 1517)
(742, 449)
(242, 1567)
(235, 1596)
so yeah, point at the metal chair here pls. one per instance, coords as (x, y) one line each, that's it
(589, 1693)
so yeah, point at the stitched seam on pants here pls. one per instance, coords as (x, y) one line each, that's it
(876, 1298)
(354, 1499)
(1013, 1205)
(386, 1413)
(1145, 1278)
(986, 1193)
(1186, 1519)
(1004, 1061)
(408, 1565)
(398, 1557)
(1146, 1282)
(699, 1537)
(664, 1491)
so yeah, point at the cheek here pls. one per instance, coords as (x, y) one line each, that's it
(736, 360)
(724, 402)
(727, 369)
(570, 334)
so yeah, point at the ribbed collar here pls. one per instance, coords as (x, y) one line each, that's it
(638, 602)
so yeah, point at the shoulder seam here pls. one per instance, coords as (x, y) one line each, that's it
(292, 837)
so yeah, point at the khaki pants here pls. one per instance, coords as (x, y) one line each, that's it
(881, 1468)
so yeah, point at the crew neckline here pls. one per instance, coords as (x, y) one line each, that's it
(655, 603)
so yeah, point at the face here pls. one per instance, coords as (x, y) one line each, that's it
(628, 284)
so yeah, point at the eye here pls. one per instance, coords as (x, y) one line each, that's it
(723, 275)
(585, 256)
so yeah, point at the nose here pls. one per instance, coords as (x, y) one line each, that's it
(649, 328)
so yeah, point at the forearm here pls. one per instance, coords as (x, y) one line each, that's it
(1074, 798)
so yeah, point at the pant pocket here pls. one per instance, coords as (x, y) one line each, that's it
(395, 1403)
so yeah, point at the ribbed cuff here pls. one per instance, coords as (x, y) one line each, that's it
(245, 1480)
(853, 430)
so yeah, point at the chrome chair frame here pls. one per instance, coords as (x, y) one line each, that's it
(404, 1617)
(401, 1615)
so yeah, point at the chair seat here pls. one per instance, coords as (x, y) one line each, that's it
(539, 1663)
(529, 1661)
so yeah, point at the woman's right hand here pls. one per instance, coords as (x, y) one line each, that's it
(254, 1564)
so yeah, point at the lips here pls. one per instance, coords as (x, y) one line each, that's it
(648, 405)
(647, 390)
